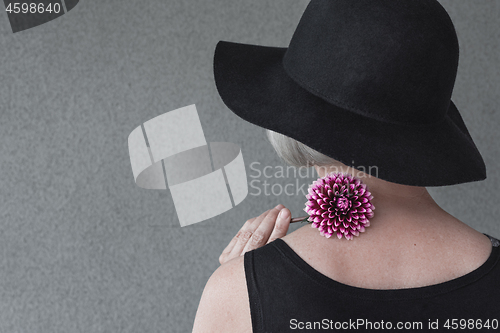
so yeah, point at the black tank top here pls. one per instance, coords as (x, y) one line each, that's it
(288, 295)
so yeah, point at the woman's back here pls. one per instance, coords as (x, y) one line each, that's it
(409, 253)
(415, 263)
(293, 282)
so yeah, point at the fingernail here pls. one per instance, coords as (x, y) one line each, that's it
(280, 206)
(283, 214)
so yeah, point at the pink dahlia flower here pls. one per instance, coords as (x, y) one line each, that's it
(339, 203)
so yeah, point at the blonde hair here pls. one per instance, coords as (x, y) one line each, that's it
(296, 153)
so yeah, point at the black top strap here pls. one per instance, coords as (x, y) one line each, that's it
(494, 242)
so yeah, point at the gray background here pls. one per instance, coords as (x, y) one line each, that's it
(82, 248)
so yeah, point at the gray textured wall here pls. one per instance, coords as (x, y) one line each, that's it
(82, 248)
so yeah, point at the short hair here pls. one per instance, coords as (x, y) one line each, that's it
(296, 153)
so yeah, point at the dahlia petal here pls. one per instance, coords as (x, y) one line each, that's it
(339, 235)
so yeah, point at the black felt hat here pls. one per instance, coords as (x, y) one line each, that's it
(366, 82)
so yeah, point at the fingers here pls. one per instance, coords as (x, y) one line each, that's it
(261, 234)
(282, 224)
(245, 227)
(241, 237)
(246, 234)
(257, 232)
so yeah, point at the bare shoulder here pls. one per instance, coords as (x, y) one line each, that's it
(224, 304)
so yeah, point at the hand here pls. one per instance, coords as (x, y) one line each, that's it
(257, 232)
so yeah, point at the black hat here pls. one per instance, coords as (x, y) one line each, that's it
(365, 82)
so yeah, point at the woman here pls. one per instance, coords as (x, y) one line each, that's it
(367, 81)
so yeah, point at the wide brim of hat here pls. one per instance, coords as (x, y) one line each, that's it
(254, 85)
